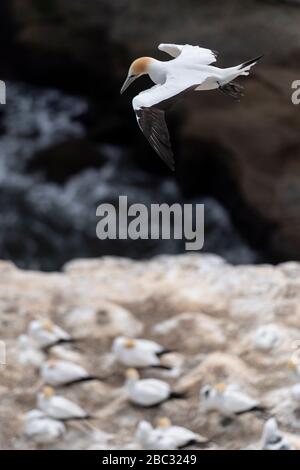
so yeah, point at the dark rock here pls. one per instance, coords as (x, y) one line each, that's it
(60, 162)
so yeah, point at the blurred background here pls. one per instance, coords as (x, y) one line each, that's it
(69, 141)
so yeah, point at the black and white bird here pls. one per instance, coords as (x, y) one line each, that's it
(56, 372)
(272, 438)
(29, 353)
(166, 436)
(42, 429)
(46, 334)
(228, 400)
(189, 70)
(59, 407)
(139, 353)
(147, 392)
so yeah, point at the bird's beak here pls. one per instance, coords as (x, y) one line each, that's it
(128, 81)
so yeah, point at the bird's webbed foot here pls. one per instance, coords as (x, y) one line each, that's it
(233, 90)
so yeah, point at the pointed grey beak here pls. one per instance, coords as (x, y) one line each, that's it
(127, 82)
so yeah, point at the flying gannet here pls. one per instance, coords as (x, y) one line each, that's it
(147, 392)
(57, 372)
(42, 429)
(228, 400)
(272, 438)
(189, 70)
(47, 334)
(139, 353)
(59, 407)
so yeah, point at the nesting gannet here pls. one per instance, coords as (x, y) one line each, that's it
(56, 372)
(182, 437)
(147, 392)
(189, 70)
(138, 352)
(266, 337)
(153, 439)
(46, 333)
(294, 366)
(166, 436)
(42, 429)
(272, 438)
(58, 407)
(29, 354)
(227, 400)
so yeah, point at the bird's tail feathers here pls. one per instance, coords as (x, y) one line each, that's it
(82, 379)
(246, 66)
(178, 395)
(161, 366)
(165, 351)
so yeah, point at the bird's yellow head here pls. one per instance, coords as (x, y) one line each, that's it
(51, 363)
(164, 422)
(48, 324)
(220, 387)
(129, 343)
(138, 68)
(292, 364)
(48, 392)
(132, 374)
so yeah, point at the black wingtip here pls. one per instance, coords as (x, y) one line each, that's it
(251, 61)
(178, 395)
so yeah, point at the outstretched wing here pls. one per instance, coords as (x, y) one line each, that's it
(149, 107)
(153, 124)
(198, 54)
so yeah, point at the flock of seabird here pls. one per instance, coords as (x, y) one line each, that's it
(49, 421)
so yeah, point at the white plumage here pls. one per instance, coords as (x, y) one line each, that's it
(29, 354)
(266, 337)
(137, 352)
(166, 436)
(295, 392)
(42, 429)
(46, 333)
(58, 407)
(272, 438)
(227, 400)
(56, 372)
(153, 439)
(189, 70)
(146, 392)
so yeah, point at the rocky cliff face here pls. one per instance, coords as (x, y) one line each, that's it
(238, 325)
(245, 155)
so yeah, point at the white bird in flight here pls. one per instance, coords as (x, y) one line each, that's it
(42, 429)
(139, 352)
(189, 70)
(59, 407)
(147, 392)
